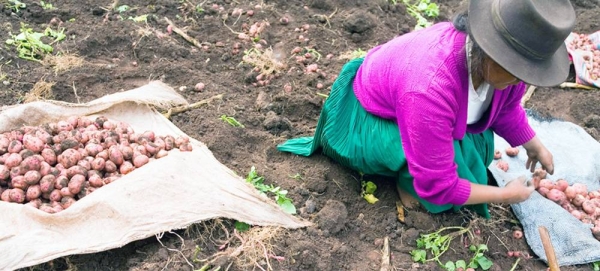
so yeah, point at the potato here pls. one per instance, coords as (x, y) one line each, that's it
(47, 183)
(36, 203)
(577, 214)
(96, 181)
(4, 172)
(56, 195)
(32, 162)
(160, 143)
(561, 185)
(4, 141)
(76, 184)
(17, 195)
(596, 232)
(17, 171)
(65, 192)
(115, 155)
(126, 167)
(33, 192)
(140, 160)
(589, 207)
(45, 168)
(169, 142)
(93, 149)
(32, 177)
(185, 147)
(161, 154)
(497, 154)
(13, 160)
(543, 191)
(512, 152)
(103, 154)
(66, 202)
(180, 140)
(151, 148)
(127, 152)
(76, 170)
(580, 188)
(578, 200)
(109, 166)
(5, 196)
(69, 158)
(97, 164)
(547, 183)
(33, 143)
(15, 146)
(61, 182)
(45, 207)
(149, 135)
(110, 179)
(19, 182)
(556, 196)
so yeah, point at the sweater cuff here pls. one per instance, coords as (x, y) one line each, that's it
(520, 137)
(461, 192)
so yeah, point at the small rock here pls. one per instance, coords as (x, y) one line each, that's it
(310, 206)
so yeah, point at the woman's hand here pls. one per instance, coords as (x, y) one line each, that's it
(537, 152)
(515, 191)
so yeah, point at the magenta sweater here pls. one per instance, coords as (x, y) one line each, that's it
(420, 80)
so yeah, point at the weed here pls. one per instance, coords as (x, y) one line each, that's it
(264, 61)
(47, 5)
(596, 266)
(349, 55)
(422, 10)
(122, 8)
(199, 9)
(297, 177)
(42, 90)
(437, 244)
(280, 195)
(368, 189)
(63, 62)
(29, 44)
(138, 19)
(15, 5)
(313, 52)
(232, 121)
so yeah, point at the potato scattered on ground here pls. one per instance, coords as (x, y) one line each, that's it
(52, 166)
(502, 165)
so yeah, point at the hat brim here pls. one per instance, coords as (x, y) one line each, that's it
(545, 73)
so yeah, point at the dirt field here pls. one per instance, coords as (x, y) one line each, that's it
(119, 53)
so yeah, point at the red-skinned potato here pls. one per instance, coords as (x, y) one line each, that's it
(556, 196)
(497, 154)
(47, 183)
(17, 195)
(512, 152)
(126, 167)
(561, 185)
(140, 160)
(32, 177)
(33, 192)
(76, 184)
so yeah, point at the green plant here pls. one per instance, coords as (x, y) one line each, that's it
(422, 10)
(29, 44)
(280, 195)
(596, 266)
(437, 243)
(122, 8)
(199, 9)
(15, 5)
(138, 19)
(46, 5)
(241, 226)
(232, 121)
(313, 52)
(367, 190)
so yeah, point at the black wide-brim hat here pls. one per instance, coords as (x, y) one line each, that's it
(525, 37)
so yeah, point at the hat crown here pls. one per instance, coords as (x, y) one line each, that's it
(534, 28)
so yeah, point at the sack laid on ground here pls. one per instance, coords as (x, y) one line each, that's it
(169, 193)
(584, 51)
(576, 159)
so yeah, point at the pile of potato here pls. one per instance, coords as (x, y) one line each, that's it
(51, 166)
(576, 199)
(583, 42)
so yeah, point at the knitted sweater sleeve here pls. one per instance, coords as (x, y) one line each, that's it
(511, 122)
(426, 121)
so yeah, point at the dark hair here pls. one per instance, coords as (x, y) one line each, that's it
(461, 23)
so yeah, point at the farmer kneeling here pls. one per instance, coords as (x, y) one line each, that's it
(424, 107)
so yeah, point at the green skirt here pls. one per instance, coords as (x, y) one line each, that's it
(369, 144)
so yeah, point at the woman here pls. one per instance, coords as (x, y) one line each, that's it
(424, 106)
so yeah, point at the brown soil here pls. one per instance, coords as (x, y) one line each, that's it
(348, 233)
